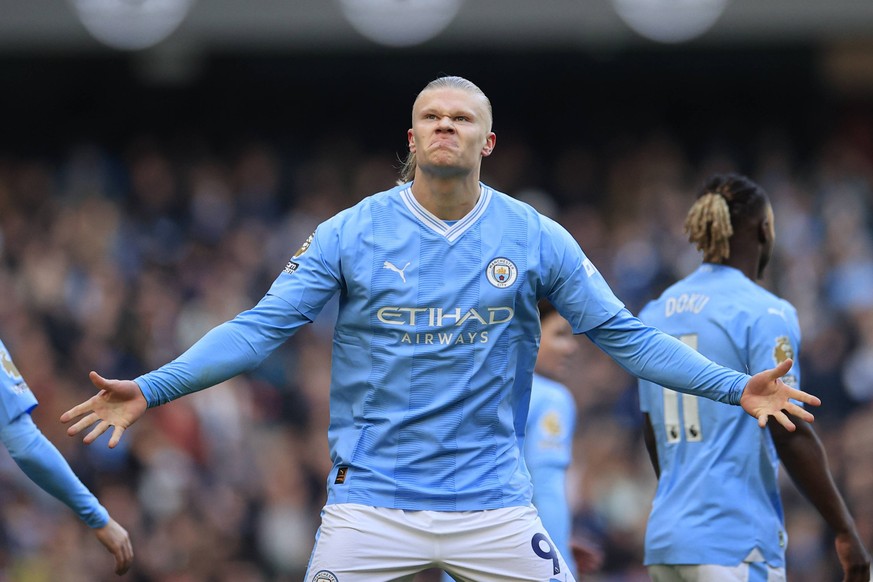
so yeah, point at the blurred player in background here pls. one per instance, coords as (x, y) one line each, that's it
(44, 465)
(717, 514)
(433, 354)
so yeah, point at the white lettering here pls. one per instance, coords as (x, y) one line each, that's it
(412, 313)
(474, 314)
(693, 303)
(493, 311)
(443, 339)
(438, 317)
(454, 314)
(399, 315)
(389, 315)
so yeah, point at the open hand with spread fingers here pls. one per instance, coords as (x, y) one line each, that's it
(767, 395)
(118, 404)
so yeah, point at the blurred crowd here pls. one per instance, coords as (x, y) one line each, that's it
(116, 258)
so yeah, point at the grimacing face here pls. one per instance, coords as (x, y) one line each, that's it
(451, 131)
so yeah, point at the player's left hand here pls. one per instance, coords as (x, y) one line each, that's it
(767, 395)
(854, 559)
(587, 555)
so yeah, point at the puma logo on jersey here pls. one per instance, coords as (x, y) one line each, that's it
(774, 311)
(390, 266)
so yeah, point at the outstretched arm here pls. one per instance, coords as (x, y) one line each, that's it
(45, 466)
(225, 351)
(655, 356)
(805, 460)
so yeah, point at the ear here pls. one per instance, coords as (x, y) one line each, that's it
(763, 231)
(490, 141)
(766, 232)
(410, 140)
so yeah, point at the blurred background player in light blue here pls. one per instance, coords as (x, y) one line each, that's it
(717, 513)
(45, 466)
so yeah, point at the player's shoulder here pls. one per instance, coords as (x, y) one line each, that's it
(360, 211)
(769, 304)
(738, 294)
(510, 205)
(654, 305)
(386, 198)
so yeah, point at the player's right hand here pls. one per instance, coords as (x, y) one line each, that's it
(118, 404)
(116, 539)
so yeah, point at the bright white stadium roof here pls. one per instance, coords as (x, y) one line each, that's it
(271, 25)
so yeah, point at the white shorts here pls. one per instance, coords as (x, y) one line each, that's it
(744, 572)
(358, 543)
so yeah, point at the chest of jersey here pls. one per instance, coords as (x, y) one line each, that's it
(418, 282)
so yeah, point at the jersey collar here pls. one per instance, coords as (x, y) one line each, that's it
(450, 232)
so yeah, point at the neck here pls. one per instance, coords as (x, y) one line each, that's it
(745, 262)
(446, 198)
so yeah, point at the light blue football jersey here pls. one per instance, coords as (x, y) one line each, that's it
(434, 345)
(548, 452)
(718, 499)
(15, 396)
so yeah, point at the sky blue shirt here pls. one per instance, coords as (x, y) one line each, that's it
(434, 345)
(35, 454)
(718, 500)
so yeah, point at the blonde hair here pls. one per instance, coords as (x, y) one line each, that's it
(407, 169)
(726, 202)
(708, 225)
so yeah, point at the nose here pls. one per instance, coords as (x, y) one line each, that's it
(445, 123)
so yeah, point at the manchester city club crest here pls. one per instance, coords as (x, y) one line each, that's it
(325, 576)
(501, 272)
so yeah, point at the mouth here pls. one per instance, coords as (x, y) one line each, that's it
(443, 145)
(444, 141)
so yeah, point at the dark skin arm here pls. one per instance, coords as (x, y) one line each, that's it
(804, 458)
(651, 447)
